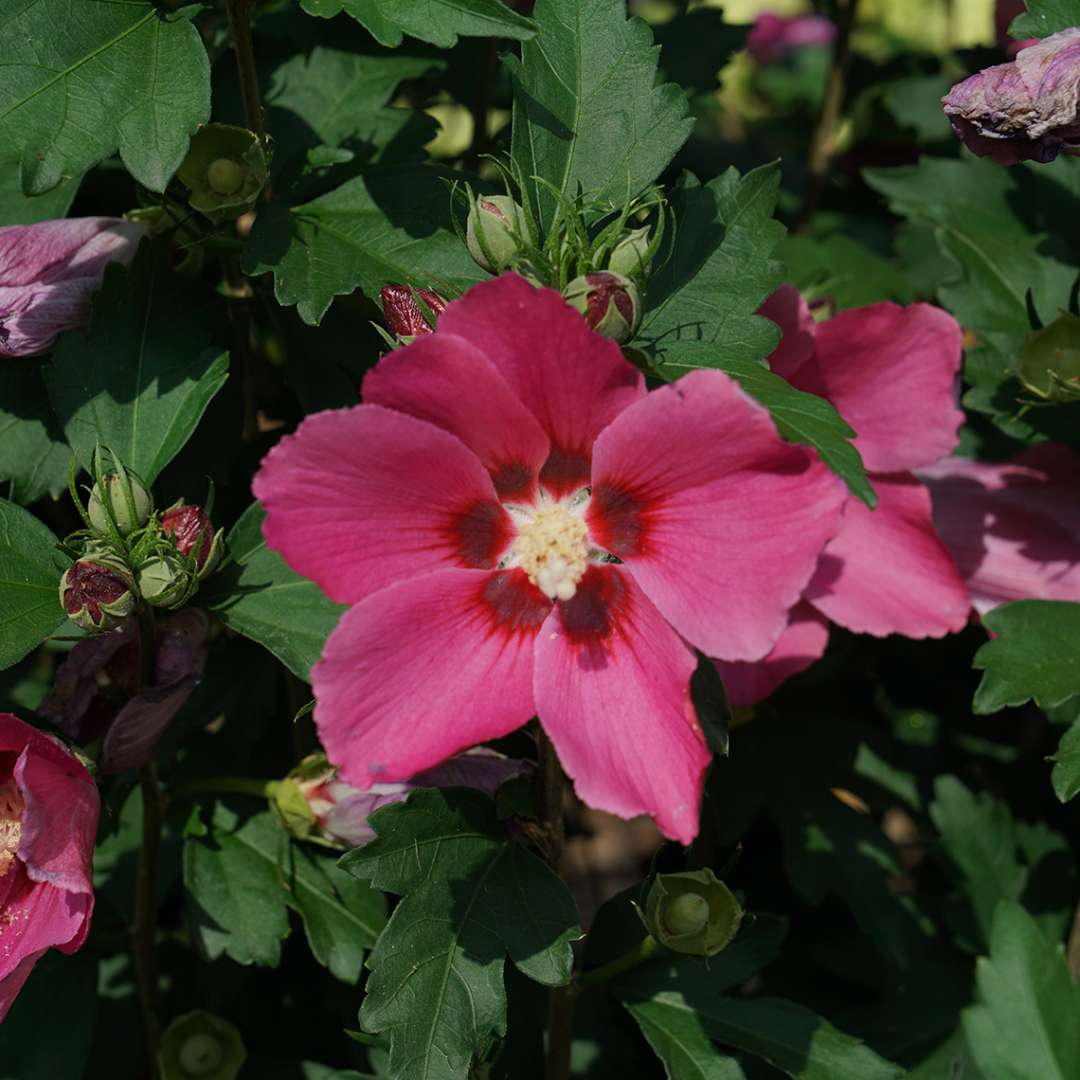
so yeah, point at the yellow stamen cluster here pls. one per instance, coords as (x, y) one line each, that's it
(11, 809)
(553, 550)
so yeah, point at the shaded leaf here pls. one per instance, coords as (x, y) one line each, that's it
(19, 209)
(1045, 17)
(1065, 775)
(34, 456)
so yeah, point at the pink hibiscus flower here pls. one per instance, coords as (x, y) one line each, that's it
(890, 372)
(523, 530)
(48, 821)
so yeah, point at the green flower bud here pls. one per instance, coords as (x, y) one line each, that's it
(97, 592)
(692, 912)
(200, 1046)
(292, 809)
(630, 255)
(128, 516)
(164, 581)
(1050, 361)
(610, 303)
(490, 228)
(224, 171)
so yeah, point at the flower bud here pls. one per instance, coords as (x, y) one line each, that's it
(224, 171)
(200, 1046)
(1050, 361)
(1027, 110)
(609, 302)
(164, 581)
(692, 912)
(116, 498)
(630, 256)
(489, 231)
(190, 526)
(403, 314)
(776, 37)
(97, 593)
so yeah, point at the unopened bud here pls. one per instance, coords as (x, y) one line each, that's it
(490, 229)
(403, 314)
(1050, 361)
(225, 176)
(200, 1046)
(692, 912)
(192, 530)
(630, 256)
(164, 581)
(127, 515)
(609, 302)
(97, 593)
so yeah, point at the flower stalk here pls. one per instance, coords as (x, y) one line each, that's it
(239, 12)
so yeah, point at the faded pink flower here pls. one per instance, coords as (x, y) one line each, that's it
(524, 530)
(1026, 110)
(48, 821)
(48, 272)
(890, 372)
(1013, 528)
(774, 37)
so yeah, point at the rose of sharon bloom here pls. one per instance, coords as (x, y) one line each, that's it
(342, 811)
(48, 272)
(1027, 110)
(48, 821)
(774, 37)
(524, 530)
(1014, 528)
(890, 372)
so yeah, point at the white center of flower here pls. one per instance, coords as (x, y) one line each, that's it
(11, 809)
(552, 547)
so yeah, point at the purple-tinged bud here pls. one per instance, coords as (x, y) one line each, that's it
(609, 302)
(97, 593)
(1027, 110)
(164, 581)
(127, 517)
(775, 37)
(1050, 361)
(403, 314)
(190, 526)
(489, 231)
(48, 272)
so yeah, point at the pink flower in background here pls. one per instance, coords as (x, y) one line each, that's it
(523, 530)
(890, 372)
(48, 821)
(1027, 110)
(1004, 13)
(48, 272)
(775, 37)
(1013, 528)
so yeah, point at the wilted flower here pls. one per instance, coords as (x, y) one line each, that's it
(1027, 110)
(775, 37)
(48, 272)
(511, 458)
(890, 372)
(126, 515)
(48, 820)
(97, 592)
(403, 314)
(609, 302)
(489, 231)
(189, 525)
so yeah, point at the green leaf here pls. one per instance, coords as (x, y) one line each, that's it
(716, 268)
(950, 1061)
(799, 417)
(437, 21)
(1065, 775)
(142, 376)
(34, 457)
(236, 902)
(1035, 654)
(83, 80)
(469, 896)
(1045, 17)
(342, 916)
(29, 583)
(1025, 1023)
(589, 117)
(681, 1041)
(258, 596)
(19, 209)
(390, 225)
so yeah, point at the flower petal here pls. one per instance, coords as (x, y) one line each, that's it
(613, 693)
(887, 571)
(791, 313)
(891, 373)
(800, 645)
(425, 668)
(448, 382)
(359, 498)
(572, 380)
(1013, 529)
(719, 520)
